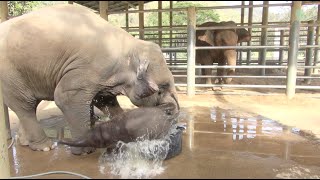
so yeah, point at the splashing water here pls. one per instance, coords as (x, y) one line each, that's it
(139, 159)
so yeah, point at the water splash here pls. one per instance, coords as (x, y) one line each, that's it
(140, 159)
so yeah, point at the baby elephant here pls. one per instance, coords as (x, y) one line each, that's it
(146, 122)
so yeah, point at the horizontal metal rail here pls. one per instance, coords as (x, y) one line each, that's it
(197, 8)
(242, 67)
(255, 77)
(253, 47)
(248, 86)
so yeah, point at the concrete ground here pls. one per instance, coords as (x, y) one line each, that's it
(227, 136)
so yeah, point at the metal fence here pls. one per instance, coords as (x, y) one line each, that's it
(286, 52)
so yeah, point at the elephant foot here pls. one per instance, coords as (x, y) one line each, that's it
(82, 150)
(216, 88)
(44, 145)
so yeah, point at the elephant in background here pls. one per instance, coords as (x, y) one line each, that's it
(219, 37)
(70, 55)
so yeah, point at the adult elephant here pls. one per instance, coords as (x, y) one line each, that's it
(219, 37)
(70, 55)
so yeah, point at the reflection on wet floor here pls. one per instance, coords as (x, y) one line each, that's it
(217, 143)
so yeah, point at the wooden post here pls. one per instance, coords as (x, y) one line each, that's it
(250, 13)
(141, 19)
(316, 50)
(264, 36)
(127, 17)
(171, 6)
(242, 22)
(103, 7)
(160, 22)
(4, 157)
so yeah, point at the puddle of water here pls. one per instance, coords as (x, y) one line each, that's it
(243, 125)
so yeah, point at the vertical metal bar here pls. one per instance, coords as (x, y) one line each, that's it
(127, 17)
(310, 40)
(191, 51)
(264, 33)
(316, 50)
(141, 19)
(242, 22)
(103, 9)
(160, 23)
(281, 44)
(250, 31)
(293, 48)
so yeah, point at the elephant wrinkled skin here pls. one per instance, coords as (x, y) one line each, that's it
(219, 37)
(70, 55)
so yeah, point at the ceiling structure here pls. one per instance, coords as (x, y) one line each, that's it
(112, 5)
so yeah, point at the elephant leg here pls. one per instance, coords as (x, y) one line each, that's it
(220, 71)
(109, 105)
(231, 57)
(30, 132)
(208, 72)
(75, 102)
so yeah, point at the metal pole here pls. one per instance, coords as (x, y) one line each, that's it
(293, 48)
(281, 44)
(170, 20)
(141, 20)
(191, 51)
(160, 22)
(242, 21)
(316, 50)
(127, 17)
(4, 157)
(250, 31)
(264, 33)
(103, 9)
(310, 40)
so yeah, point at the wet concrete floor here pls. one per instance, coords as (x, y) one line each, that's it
(217, 143)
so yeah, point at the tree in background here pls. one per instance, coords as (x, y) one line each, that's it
(18, 8)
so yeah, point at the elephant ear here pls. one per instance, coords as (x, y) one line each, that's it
(144, 85)
(207, 37)
(243, 35)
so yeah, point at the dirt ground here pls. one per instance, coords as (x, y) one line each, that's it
(226, 136)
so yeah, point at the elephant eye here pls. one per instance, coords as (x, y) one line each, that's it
(164, 86)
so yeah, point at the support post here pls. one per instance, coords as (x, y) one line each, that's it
(242, 22)
(127, 17)
(170, 21)
(310, 40)
(250, 31)
(264, 37)
(316, 50)
(160, 22)
(281, 51)
(103, 7)
(4, 156)
(191, 51)
(293, 48)
(4, 17)
(141, 20)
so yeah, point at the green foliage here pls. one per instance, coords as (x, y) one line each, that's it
(180, 17)
(17, 8)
